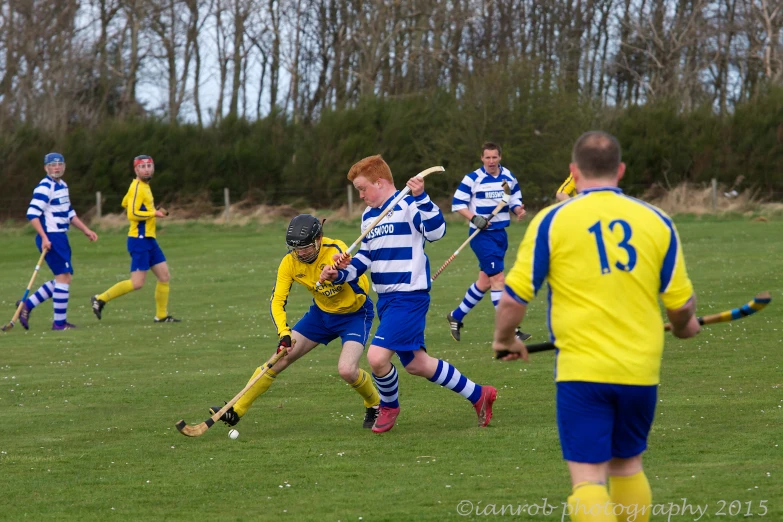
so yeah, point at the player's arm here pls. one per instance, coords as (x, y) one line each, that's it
(676, 288)
(522, 282)
(39, 203)
(460, 203)
(428, 218)
(515, 203)
(358, 266)
(78, 223)
(683, 320)
(137, 198)
(279, 300)
(567, 190)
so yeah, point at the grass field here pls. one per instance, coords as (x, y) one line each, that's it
(89, 433)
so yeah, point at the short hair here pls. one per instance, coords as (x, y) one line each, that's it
(488, 145)
(373, 168)
(597, 154)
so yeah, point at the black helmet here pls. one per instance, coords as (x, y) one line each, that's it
(303, 231)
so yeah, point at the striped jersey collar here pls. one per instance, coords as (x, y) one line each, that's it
(391, 198)
(616, 190)
(500, 171)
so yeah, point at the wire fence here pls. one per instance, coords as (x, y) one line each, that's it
(703, 198)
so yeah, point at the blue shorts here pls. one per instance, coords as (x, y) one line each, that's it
(599, 421)
(402, 316)
(324, 327)
(490, 248)
(59, 256)
(144, 253)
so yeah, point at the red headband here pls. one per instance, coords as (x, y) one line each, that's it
(141, 161)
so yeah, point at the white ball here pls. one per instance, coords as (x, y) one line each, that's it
(233, 434)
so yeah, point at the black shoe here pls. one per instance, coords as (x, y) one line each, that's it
(169, 319)
(97, 306)
(369, 417)
(522, 336)
(231, 418)
(454, 327)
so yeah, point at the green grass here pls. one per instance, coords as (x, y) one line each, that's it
(89, 433)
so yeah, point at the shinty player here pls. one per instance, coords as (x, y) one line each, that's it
(142, 245)
(607, 258)
(394, 253)
(51, 215)
(338, 310)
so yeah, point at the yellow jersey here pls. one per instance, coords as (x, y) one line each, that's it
(141, 209)
(606, 258)
(568, 186)
(342, 298)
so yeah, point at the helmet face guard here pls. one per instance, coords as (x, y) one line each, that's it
(54, 163)
(308, 253)
(303, 237)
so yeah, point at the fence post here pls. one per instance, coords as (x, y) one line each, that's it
(714, 194)
(350, 201)
(98, 204)
(227, 203)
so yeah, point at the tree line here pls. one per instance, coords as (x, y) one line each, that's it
(67, 62)
(279, 160)
(275, 99)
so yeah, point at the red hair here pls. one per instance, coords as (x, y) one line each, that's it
(372, 168)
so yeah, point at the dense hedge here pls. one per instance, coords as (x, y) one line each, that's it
(276, 160)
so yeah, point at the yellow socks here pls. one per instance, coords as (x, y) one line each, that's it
(589, 502)
(161, 300)
(263, 384)
(634, 495)
(365, 387)
(120, 289)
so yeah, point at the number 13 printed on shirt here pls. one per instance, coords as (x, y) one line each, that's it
(625, 244)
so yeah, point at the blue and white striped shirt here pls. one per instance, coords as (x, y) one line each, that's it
(394, 249)
(481, 192)
(51, 204)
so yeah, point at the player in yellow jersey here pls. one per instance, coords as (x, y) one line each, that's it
(567, 189)
(142, 245)
(339, 310)
(607, 258)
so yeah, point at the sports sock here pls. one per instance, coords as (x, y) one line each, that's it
(366, 389)
(44, 292)
(60, 300)
(471, 299)
(263, 384)
(589, 502)
(161, 300)
(388, 388)
(120, 289)
(449, 377)
(634, 494)
(495, 295)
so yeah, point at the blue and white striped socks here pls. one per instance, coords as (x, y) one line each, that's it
(60, 300)
(449, 377)
(388, 388)
(43, 293)
(495, 295)
(471, 299)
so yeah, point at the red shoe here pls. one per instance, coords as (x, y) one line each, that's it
(484, 405)
(386, 419)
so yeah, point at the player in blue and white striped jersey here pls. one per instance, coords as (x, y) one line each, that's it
(400, 273)
(475, 199)
(51, 214)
